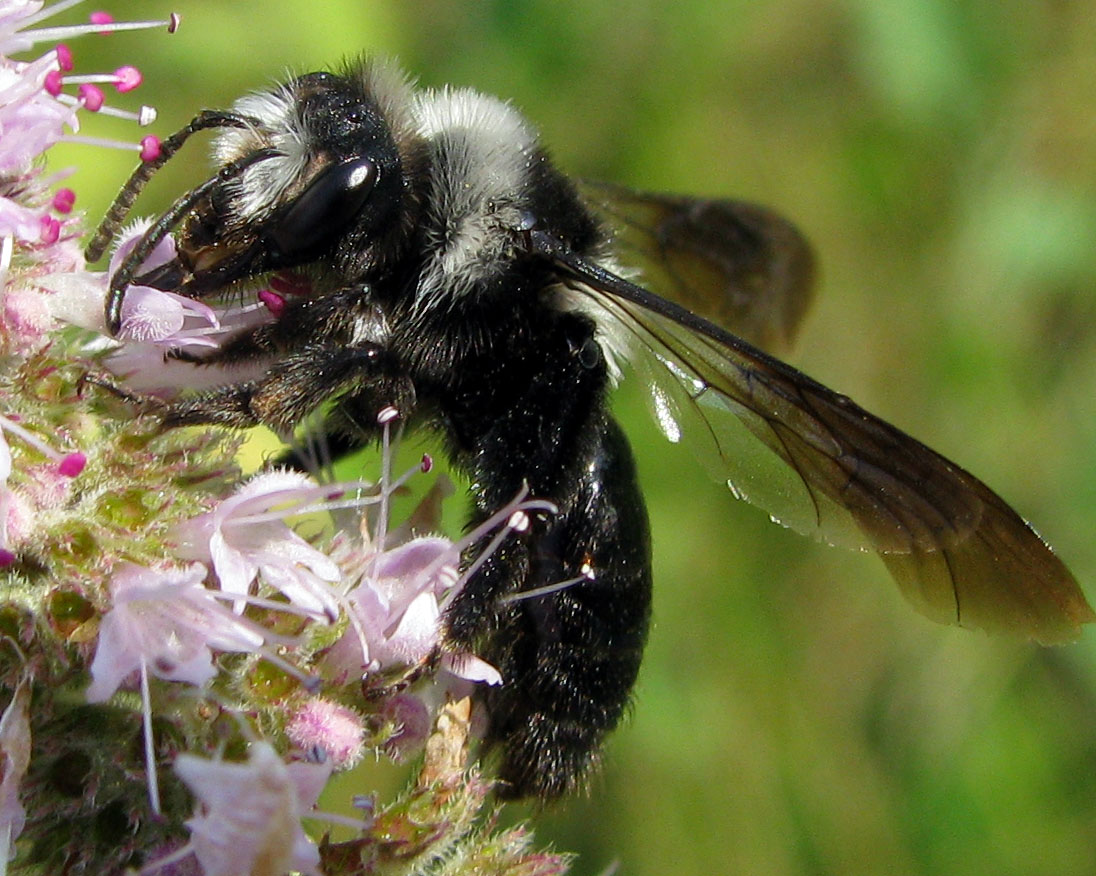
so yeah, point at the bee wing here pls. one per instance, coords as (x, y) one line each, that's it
(734, 263)
(819, 463)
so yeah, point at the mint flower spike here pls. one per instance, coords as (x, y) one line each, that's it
(39, 238)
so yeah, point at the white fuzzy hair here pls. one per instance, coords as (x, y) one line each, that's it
(263, 185)
(481, 150)
(281, 127)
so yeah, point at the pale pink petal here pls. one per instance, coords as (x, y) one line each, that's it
(408, 560)
(471, 668)
(244, 536)
(309, 780)
(114, 660)
(235, 572)
(163, 252)
(414, 636)
(168, 622)
(251, 813)
(270, 488)
(15, 745)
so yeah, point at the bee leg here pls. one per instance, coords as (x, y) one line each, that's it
(346, 319)
(289, 391)
(377, 686)
(146, 403)
(350, 425)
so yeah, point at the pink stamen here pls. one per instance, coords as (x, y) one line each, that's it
(7, 558)
(125, 78)
(52, 83)
(50, 230)
(128, 78)
(150, 148)
(63, 200)
(427, 463)
(65, 462)
(273, 301)
(101, 22)
(101, 18)
(92, 97)
(64, 57)
(72, 464)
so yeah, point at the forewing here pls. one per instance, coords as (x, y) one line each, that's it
(821, 464)
(734, 263)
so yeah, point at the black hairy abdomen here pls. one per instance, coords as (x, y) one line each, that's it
(534, 416)
(570, 658)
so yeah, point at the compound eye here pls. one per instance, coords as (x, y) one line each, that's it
(323, 209)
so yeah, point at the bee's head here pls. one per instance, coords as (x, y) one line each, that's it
(312, 171)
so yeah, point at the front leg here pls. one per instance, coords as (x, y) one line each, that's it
(291, 389)
(349, 318)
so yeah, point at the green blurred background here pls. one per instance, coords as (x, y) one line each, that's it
(794, 716)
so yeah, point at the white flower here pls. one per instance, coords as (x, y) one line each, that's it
(165, 621)
(250, 819)
(397, 603)
(14, 760)
(244, 537)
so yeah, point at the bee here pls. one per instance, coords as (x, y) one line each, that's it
(456, 274)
